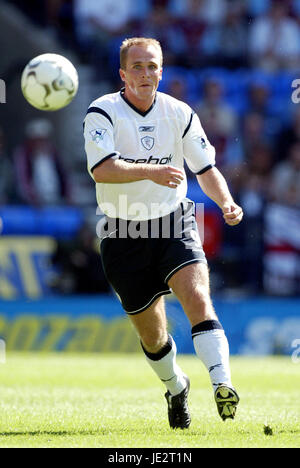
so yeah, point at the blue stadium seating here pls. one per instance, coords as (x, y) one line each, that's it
(59, 222)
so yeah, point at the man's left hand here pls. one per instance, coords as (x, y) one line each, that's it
(232, 213)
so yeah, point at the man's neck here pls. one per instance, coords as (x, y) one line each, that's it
(141, 105)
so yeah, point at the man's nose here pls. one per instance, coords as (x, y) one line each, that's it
(145, 71)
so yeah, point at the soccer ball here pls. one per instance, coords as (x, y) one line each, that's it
(49, 82)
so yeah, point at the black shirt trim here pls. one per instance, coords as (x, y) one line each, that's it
(210, 166)
(102, 161)
(100, 111)
(189, 124)
(143, 114)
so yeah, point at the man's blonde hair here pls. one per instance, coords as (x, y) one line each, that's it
(136, 41)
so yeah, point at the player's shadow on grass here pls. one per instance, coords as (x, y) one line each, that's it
(106, 431)
(97, 432)
(54, 433)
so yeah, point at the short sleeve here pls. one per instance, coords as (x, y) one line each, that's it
(198, 152)
(99, 138)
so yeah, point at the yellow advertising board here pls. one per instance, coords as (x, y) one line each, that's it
(24, 265)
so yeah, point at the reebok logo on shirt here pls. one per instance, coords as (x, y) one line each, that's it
(150, 160)
(145, 128)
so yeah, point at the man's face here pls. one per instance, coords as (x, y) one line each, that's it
(142, 74)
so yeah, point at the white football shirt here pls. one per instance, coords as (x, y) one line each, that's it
(168, 133)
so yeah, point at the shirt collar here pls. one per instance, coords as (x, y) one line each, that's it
(143, 114)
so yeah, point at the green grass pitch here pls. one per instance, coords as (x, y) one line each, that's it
(67, 400)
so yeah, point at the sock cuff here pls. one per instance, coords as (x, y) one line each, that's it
(162, 352)
(204, 327)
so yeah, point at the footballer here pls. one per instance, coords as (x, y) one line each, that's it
(136, 141)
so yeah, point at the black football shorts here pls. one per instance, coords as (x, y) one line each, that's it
(139, 257)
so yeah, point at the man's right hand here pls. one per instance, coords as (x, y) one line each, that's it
(115, 171)
(168, 176)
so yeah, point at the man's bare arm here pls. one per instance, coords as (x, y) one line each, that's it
(215, 187)
(115, 171)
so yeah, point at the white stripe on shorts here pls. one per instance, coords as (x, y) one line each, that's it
(194, 260)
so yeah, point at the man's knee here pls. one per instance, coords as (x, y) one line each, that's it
(199, 297)
(198, 306)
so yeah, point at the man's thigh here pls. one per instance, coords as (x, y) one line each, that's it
(188, 278)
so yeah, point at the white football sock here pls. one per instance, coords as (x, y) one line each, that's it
(164, 365)
(212, 348)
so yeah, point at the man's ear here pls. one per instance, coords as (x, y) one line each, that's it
(122, 74)
(160, 75)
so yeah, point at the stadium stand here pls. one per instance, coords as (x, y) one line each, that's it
(199, 39)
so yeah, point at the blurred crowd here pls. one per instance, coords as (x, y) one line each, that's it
(252, 49)
(34, 173)
(230, 33)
